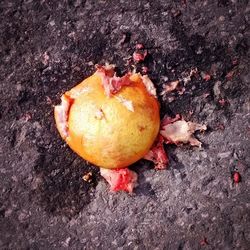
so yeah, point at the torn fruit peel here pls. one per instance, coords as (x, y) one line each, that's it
(178, 131)
(114, 121)
(157, 154)
(120, 179)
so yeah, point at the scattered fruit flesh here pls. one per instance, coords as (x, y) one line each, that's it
(113, 122)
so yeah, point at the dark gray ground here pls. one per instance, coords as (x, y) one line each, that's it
(46, 48)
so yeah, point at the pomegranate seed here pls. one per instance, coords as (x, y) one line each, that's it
(138, 57)
(145, 69)
(236, 177)
(204, 242)
(139, 46)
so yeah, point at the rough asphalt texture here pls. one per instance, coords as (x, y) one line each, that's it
(46, 48)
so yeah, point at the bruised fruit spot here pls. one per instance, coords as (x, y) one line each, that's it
(141, 128)
(120, 179)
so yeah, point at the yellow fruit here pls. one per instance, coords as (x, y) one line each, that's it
(109, 131)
